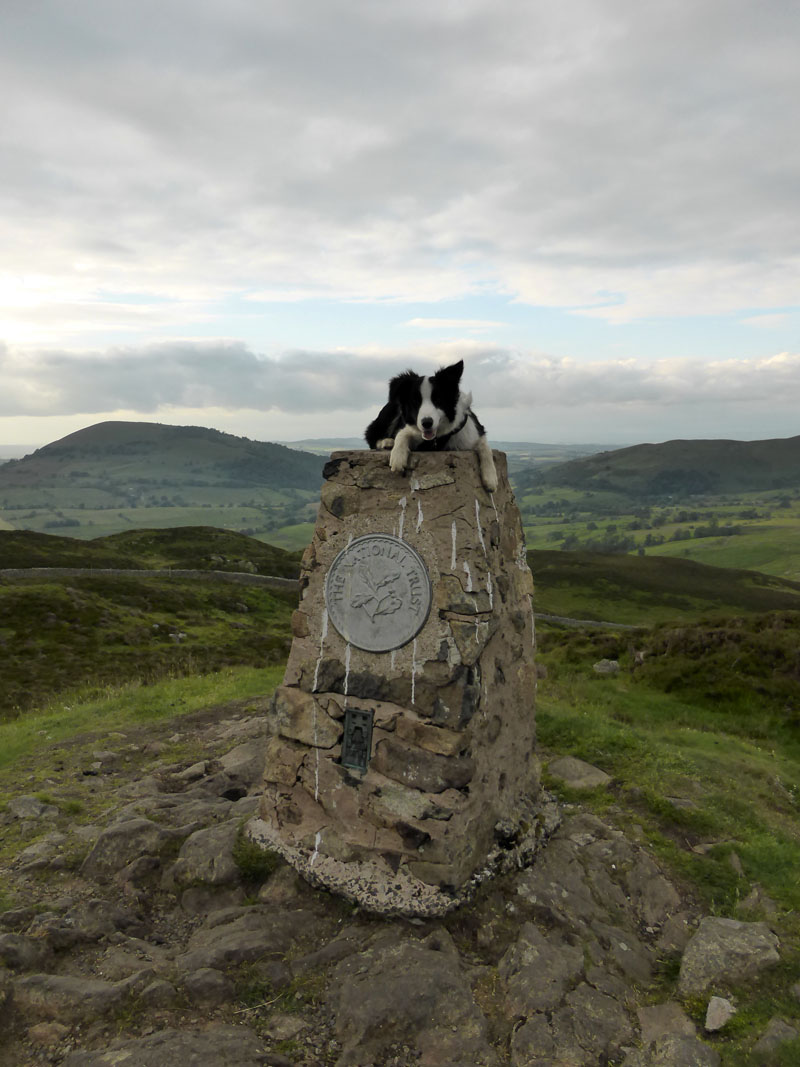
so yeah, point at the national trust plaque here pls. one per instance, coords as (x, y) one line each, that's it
(378, 593)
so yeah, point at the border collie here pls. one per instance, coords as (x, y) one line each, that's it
(430, 413)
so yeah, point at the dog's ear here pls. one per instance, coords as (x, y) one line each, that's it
(452, 373)
(401, 383)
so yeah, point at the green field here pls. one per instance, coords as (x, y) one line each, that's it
(754, 531)
(645, 590)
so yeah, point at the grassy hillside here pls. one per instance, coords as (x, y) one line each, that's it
(141, 454)
(644, 590)
(189, 547)
(680, 468)
(61, 634)
(126, 475)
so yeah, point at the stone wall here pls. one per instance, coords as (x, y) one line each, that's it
(264, 581)
(452, 780)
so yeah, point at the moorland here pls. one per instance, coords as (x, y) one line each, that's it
(699, 726)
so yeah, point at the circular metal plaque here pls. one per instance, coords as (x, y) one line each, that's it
(378, 593)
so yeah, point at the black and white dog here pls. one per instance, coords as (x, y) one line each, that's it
(429, 414)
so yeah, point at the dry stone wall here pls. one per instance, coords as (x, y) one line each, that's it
(450, 780)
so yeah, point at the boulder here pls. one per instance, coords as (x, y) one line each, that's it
(725, 952)
(407, 994)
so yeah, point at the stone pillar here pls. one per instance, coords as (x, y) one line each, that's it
(410, 819)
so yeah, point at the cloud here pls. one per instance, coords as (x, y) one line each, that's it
(229, 376)
(363, 152)
(469, 325)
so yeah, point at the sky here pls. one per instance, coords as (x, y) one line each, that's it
(250, 214)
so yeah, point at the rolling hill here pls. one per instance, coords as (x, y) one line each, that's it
(135, 456)
(202, 548)
(679, 468)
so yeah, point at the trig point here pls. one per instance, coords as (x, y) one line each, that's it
(400, 763)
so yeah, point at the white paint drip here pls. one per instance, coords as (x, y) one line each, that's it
(453, 556)
(403, 504)
(469, 576)
(414, 666)
(315, 853)
(419, 514)
(323, 635)
(346, 672)
(490, 591)
(491, 497)
(478, 527)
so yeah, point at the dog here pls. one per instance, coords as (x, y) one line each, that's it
(427, 414)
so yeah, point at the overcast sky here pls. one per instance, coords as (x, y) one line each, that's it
(249, 214)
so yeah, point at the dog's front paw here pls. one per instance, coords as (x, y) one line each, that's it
(489, 479)
(385, 443)
(398, 460)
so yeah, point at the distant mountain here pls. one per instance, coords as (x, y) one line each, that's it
(144, 454)
(679, 468)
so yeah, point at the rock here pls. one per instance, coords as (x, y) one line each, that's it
(203, 899)
(20, 953)
(409, 994)
(46, 1035)
(250, 934)
(206, 857)
(132, 957)
(69, 1000)
(587, 884)
(282, 1027)
(757, 900)
(122, 842)
(588, 1028)
(606, 666)
(576, 774)
(662, 1020)
(158, 994)
(539, 969)
(222, 1046)
(245, 763)
(674, 1050)
(776, 1034)
(208, 986)
(420, 769)
(719, 1012)
(299, 716)
(726, 952)
(41, 853)
(30, 808)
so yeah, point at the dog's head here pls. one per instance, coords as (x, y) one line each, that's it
(430, 403)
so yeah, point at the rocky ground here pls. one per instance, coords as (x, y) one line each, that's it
(141, 929)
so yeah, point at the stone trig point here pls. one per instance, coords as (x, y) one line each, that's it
(400, 763)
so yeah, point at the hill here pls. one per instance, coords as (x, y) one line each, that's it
(186, 547)
(139, 455)
(645, 590)
(679, 468)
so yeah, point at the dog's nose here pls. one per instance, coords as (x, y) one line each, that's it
(427, 423)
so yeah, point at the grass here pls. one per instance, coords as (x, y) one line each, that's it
(134, 704)
(645, 590)
(98, 629)
(731, 761)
